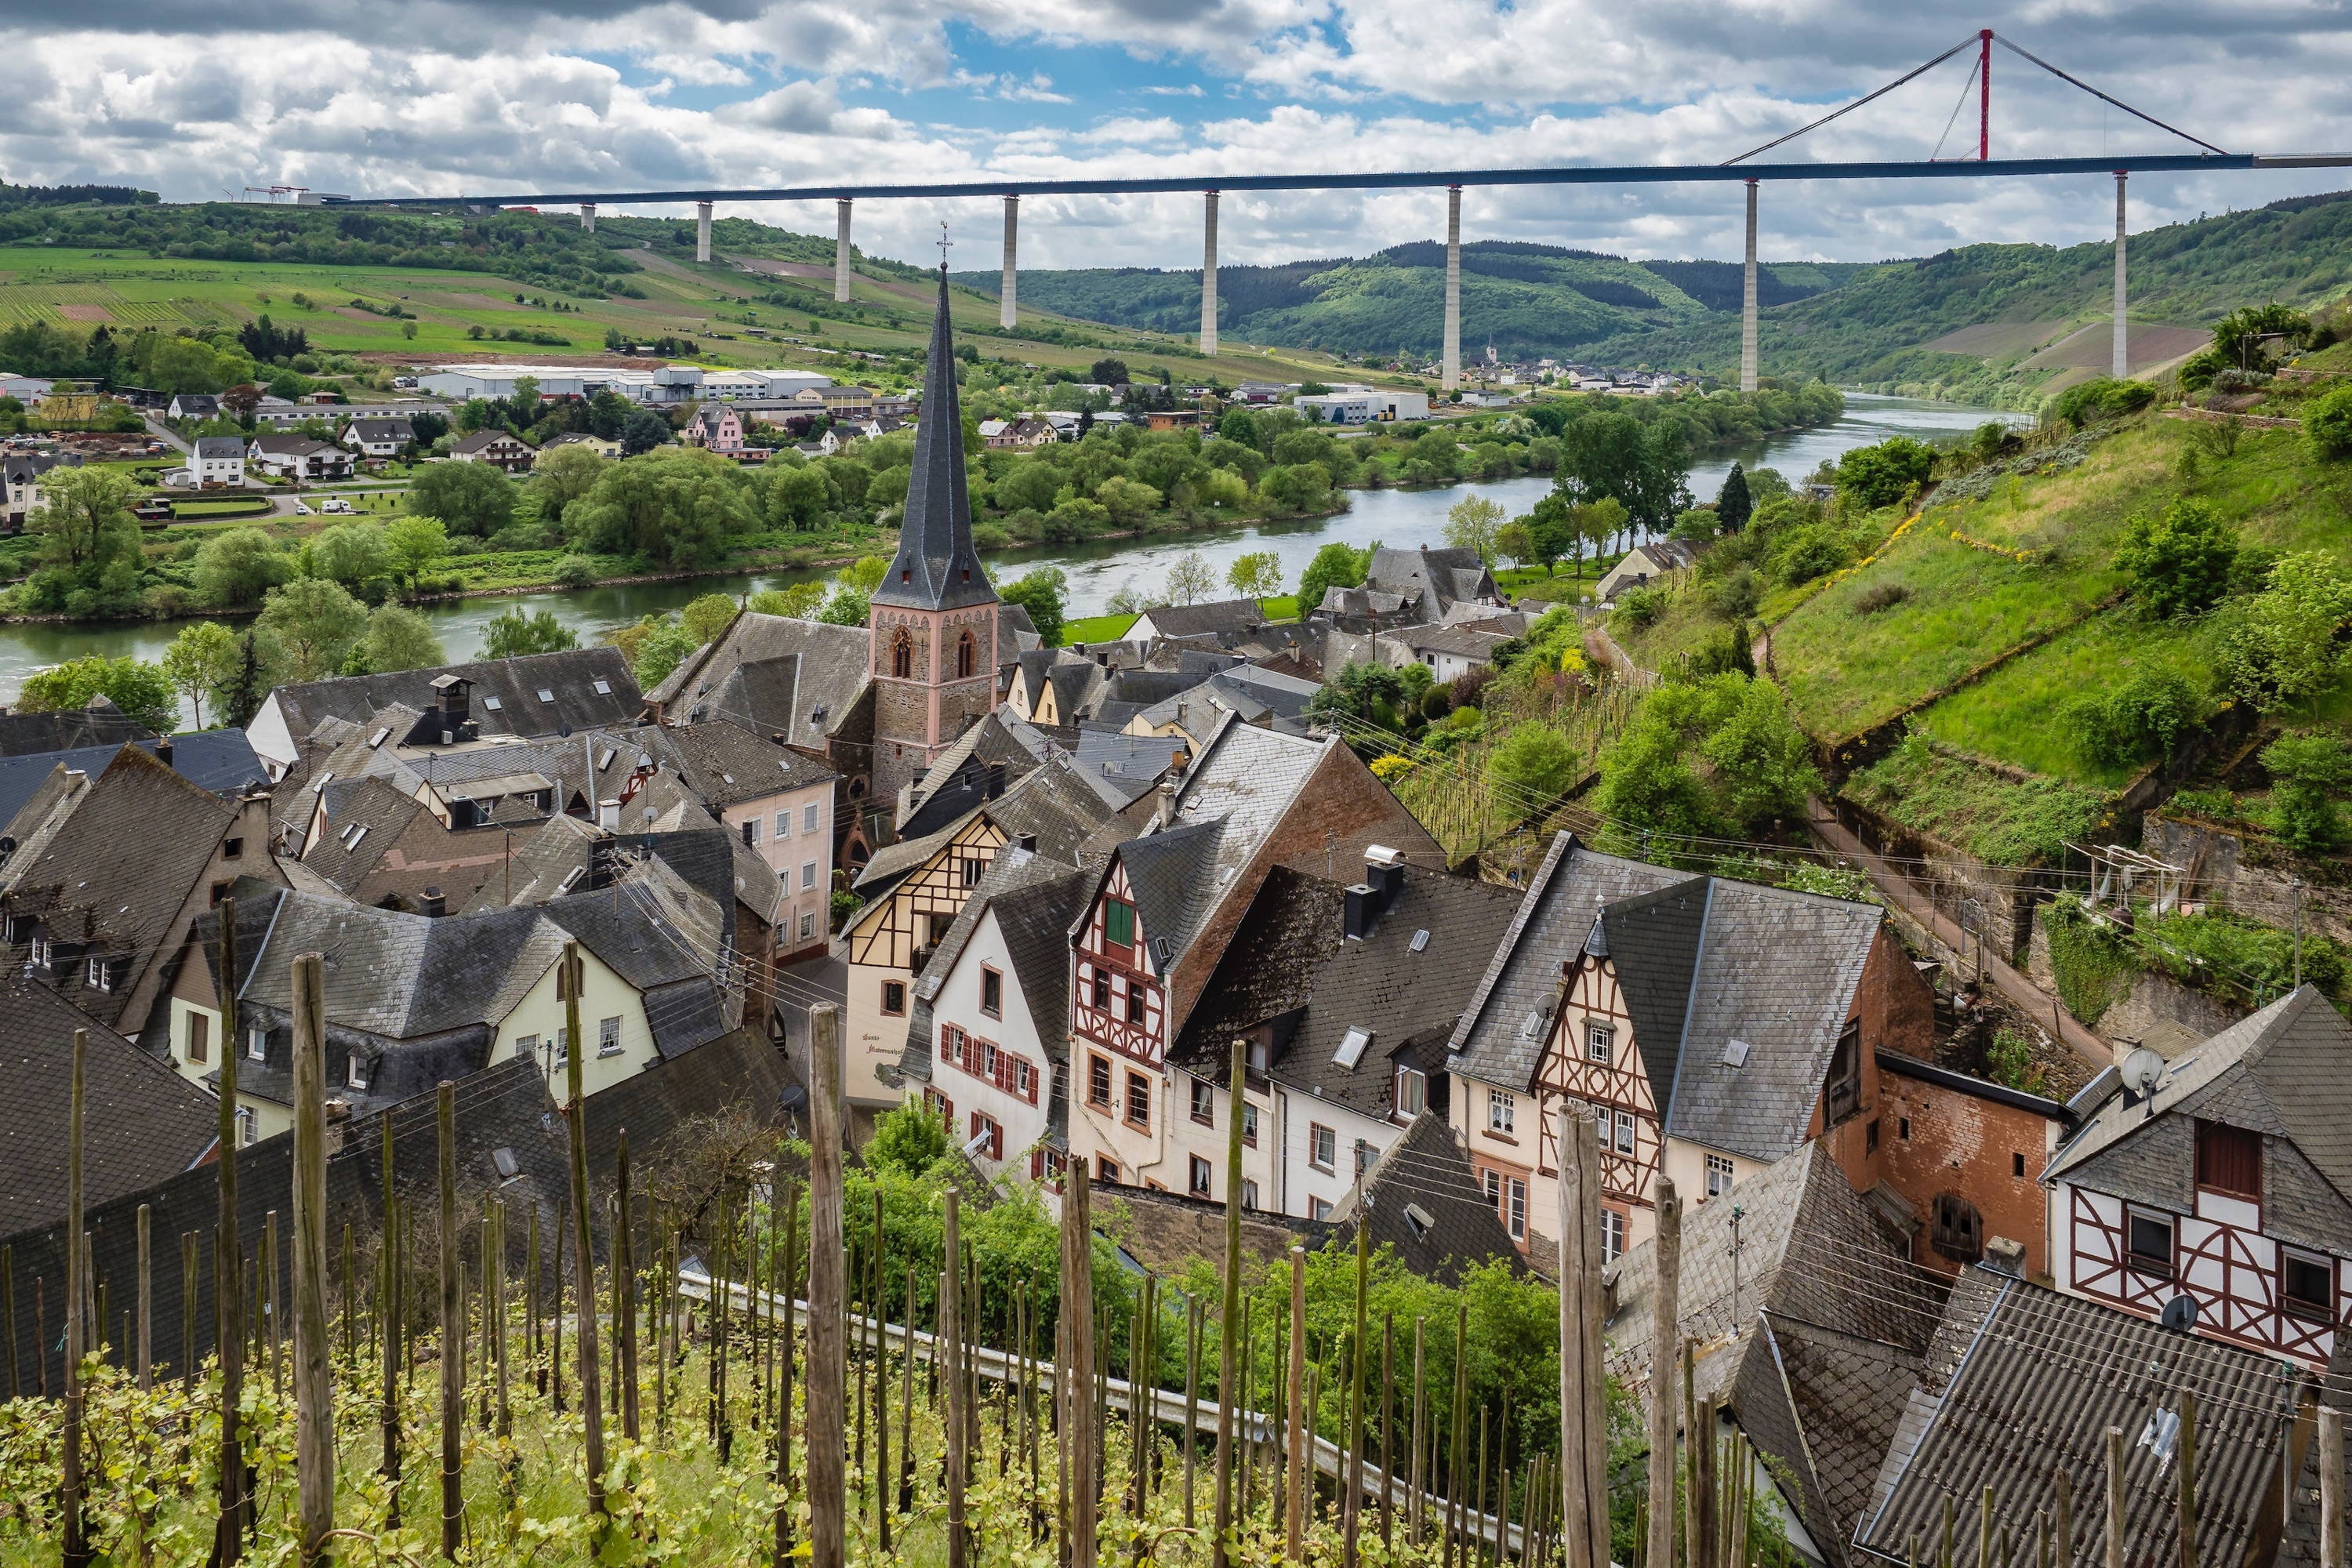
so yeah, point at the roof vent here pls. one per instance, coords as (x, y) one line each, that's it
(1534, 1027)
(1352, 1048)
(1734, 1053)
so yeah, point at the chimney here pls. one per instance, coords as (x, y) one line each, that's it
(435, 906)
(608, 815)
(2004, 1255)
(1167, 802)
(1363, 909)
(1384, 873)
(163, 751)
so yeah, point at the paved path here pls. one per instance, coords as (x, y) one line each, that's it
(2022, 992)
(163, 433)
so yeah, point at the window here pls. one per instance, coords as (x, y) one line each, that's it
(608, 1036)
(1204, 1103)
(894, 998)
(1134, 1002)
(1352, 1046)
(902, 656)
(1599, 1038)
(984, 1126)
(1118, 923)
(1024, 1081)
(1612, 1235)
(940, 1106)
(562, 1047)
(1719, 1172)
(528, 1045)
(1139, 1101)
(256, 1044)
(971, 867)
(752, 830)
(1624, 1139)
(1515, 1214)
(1365, 1156)
(98, 975)
(1249, 1194)
(1101, 989)
(1317, 1209)
(1842, 1097)
(1903, 1128)
(1958, 1230)
(200, 1037)
(1202, 1175)
(950, 1043)
(1106, 1169)
(1249, 1124)
(2017, 1166)
(784, 823)
(232, 848)
(1099, 1081)
(1412, 1092)
(808, 875)
(808, 926)
(1502, 1110)
(1322, 1146)
(808, 819)
(965, 656)
(1870, 1137)
(2149, 1243)
(245, 1124)
(2307, 1284)
(2228, 1159)
(988, 1059)
(992, 993)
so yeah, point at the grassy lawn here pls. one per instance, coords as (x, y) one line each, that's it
(257, 506)
(1096, 628)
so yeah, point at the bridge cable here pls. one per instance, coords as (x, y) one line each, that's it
(1867, 98)
(2102, 97)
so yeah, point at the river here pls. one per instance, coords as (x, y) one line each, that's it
(1096, 572)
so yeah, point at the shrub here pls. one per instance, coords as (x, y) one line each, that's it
(2104, 397)
(2310, 772)
(1538, 764)
(2327, 424)
(1878, 475)
(2180, 560)
(1735, 596)
(1638, 608)
(2135, 721)
(1881, 597)
(1815, 550)
(575, 572)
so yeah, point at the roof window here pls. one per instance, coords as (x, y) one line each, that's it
(1352, 1048)
(491, 703)
(1734, 1053)
(1420, 941)
(545, 695)
(604, 688)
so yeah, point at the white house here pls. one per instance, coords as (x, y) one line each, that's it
(379, 437)
(1644, 564)
(217, 461)
(297, 457)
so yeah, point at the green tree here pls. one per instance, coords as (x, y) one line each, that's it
(706, 615)
(2251, 337)
(399, 638)
(680, 509)
(351, 554)
(2309, 775)
(1128, 501)
(516, 632)
(473, 499)
(1191, 577)
(417, 545)
(1613, 456)
(1031, 486)
(1551, 532)
(84, 520)
(1732, 503)
(864, 574)
(1365, 693)
(2327, 424)
(1257, 575)
(908, 1138)
(1336, 565)
(310, 626)
(2179, 560)
(239, 567)
(665, 646)
(799, 602)
(563, 476)
(1471, 522)
(1108, 373)
(1884, 474)
(1719, 757)
(643, 430)
(2284, 645)
(1536, 763)
(200, 663)
(1515, 541)
(1039, 591)
(141, 690)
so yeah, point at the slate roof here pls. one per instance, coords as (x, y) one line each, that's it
(482, 440)
(1431, 580)
(1290, 960)
(505, 698)
(1174, 875)
(2022, 1380)
(936, 567)
(1462, 642)
(218, 447)
(1423, 1200)
(142, 1122)
(1217, 615)
(221, 761)
(728, 764)
(1166, 1231)
(773, 675)
(1123, 767)
(374, 431)
(100, 724)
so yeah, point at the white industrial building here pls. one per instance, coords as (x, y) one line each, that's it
(667, 383)
(1355, 404)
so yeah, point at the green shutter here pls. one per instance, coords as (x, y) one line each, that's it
(1118, 923)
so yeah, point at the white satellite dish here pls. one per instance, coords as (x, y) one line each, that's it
(2140, 1070)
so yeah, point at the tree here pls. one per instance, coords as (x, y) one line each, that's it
(1551, 532)
(675, 508)
(664, 647)
(1336, 565)
(1191, 577)
(416, 545)
(240, 566)
(1031, 486)
(399, 638)
(1515, 541)
(351, 554)
(2327, 424)
(516, 632)
(706, 615)
(1471, 522)
(470, 497)
(310, 626)
(1128, 501)
(1108, 373)
(1364, 693)
(1040, 592)
(2309, 775)
(563, 476)
(1719, 757)
(84, 520)
(200, 662)
(2179, 561)
(1612, 456)
(2251, 337)
(141, 690)
(1536, 763)
(1884, 474)
(1257, 575)
(798, 602)
(1732, 503)
(2284, 645)
(642, 431)
(1598, 523)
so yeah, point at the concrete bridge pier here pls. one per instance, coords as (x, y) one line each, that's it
(1748, 303)
(1450, 369)
(1209, 279)
(841, 252)
(702, 231)
(1004, 302)
(588, 218)
(2123, 342)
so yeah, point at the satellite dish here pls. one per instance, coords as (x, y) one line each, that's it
(2140, 1070)
(2179, 1315)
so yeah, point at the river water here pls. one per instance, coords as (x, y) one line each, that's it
(1096, 572)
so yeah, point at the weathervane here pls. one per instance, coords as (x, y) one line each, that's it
(943, 242)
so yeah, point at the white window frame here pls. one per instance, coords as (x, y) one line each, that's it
(256, 1044)
(808, 926)
(783, 825)
(1600, 1042)
(1502, 1112)
(1322, 1147)
(1418, 1082)
(608, 1036)
(355, 1071)
(808, 817)
(752, 830)
(248, 1125)
(808, 875)
(1720, 1174)
(1612, 1235)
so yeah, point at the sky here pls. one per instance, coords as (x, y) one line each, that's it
(199, 99)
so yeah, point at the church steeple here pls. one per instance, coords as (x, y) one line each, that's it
(936, 567)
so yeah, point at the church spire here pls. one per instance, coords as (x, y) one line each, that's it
(936, 567)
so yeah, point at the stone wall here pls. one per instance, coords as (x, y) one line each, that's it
(2247, 874)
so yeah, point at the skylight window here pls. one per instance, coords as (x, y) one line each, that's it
(604, 759)
(491, 703)
(1734, 1053)
(545, 695)
(379, 737)
(604, 688)
(1534, 1027)
(1352, 1048)
(1420, 941)
(352, 833)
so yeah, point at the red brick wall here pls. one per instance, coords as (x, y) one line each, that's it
(1897, 1011)
(1964, 1143)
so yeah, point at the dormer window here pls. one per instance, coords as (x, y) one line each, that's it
(99, 975)
(256, 1044)
(355, 1071)
(2230, 1160)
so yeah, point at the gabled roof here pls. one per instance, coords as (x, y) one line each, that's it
(1172, 875)
(1034, 901)
(221, 761)
(1217, 615)
(504, 697)
(726, 764)
(219, 448)
(481, 440)
(1423, 1200)
(936, 567)
(774, 674)
(289, 445)
(396, 428)
(100, 724)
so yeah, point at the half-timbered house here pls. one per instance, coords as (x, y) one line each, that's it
(2229, 1184)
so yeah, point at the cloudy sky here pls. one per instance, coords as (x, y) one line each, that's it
(193, 97)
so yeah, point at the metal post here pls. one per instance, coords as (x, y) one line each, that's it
(1450, 370)
(1747, 305)
(587, 218)
(1209, 278)
(702, 231)
(1004, 302)
(841, 252)
(1984, 94)
(2121, 357)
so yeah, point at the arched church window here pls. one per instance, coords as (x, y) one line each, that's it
(967, 656)
(902, 655)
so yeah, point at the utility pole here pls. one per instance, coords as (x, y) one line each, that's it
(314, 1383)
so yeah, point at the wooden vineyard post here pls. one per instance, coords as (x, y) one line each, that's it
(146, 1341)
(1413, 1493)
(1229, 1316)
(1458, 1457)
(1075, 1373)
(1387, 1433)
(885, 1502)
(314, 1381)
(389, 1316)
(784, 1372)
(1294, 1485)
(1192, 1403)
(624, 1291)
(2187, 1480)
(71, 1503)
(1583, 1426)
(952, 1333)
(1351, 1512)
(584, 1249)
(2331, 1487)
(2062, 1516)
(827, 1369)
(452, 1326)
(229, 1266)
